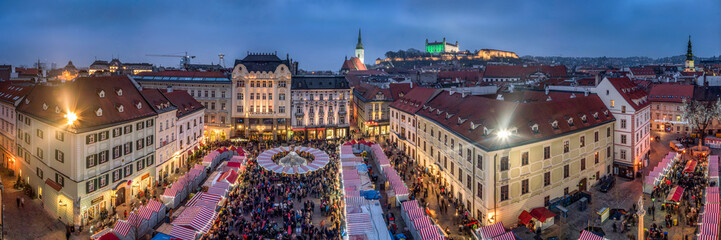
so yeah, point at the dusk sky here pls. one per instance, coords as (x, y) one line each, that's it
(319, 34)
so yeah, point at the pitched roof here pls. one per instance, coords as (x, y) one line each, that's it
(319, 82)
(185, 103)
(397, 90)
(157, 100)
(667, 92)
(353, 64)
(367, 92)
(84, 97)
(703, 93)
(12, 93)
(261, 62)
(413, 100)
(642, 71)
(460, 75)
(477, 118)
(632, 93)
(522, 71)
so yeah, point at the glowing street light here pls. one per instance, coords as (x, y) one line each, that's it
(72, 117)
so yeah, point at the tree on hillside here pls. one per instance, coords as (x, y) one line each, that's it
(700, 114)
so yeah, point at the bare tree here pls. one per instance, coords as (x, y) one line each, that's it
(700, 114)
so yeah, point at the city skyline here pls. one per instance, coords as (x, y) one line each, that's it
(320, 34)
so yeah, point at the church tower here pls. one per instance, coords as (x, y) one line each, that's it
(359, 52)
(689, 58)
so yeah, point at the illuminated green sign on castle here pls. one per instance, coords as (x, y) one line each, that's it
(441, 47)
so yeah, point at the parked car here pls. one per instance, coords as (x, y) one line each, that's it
(677, 146)
(607, 184)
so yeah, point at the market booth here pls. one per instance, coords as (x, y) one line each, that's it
(159, 209)
(544, 217)
(675, 194)
(586, 235)
(490, 231)
(196, 218)
(123, 230)
(183, 233)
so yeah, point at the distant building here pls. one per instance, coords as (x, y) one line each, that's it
(359, 51)
(523, 73)
(320, 107)
(641, 73)
(261, 97)
(10, 97)
(667, 107)
(117, 67)
(689, 67)
(352, 64)
(371, 102)
(211, 89)
(441, 47)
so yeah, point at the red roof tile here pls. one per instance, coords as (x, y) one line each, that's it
(667, 92)
(474, 76)
(157, 100)
(542, 213)
(642, 71)
(12, 93)
(399, 89)
(27, 71)
(413, 100)
(468, 117)
(353, 64)
(632, 93)
(175, 73)
(186, 104)
(82, 97)
(522, 72)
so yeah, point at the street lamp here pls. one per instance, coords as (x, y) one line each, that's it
(72, 117)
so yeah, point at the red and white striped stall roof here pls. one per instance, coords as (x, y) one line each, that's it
(422, 222)
(145, 213)
(183, 233)
(133, 219)
(121, 227)
(586, 235)
(155, 206)
(408, 205)
(352, 193)
(711, 213)
(506, 236)
(196, 218)
(707, 237)
(430, 233)
(415, 213)
(223, 185)
(712, 190)
(355, 201)
(170, 192)
(217, 191)
(709, 229)
(493, 230)
(359, 223)
(712, 198)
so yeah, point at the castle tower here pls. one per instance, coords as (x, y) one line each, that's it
(689, 58)
(359, 52)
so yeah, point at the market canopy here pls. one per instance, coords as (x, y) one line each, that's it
(542, 213)
(524, 218)
(493, 230)
(690, 166)
(675, 194)
(586, 235)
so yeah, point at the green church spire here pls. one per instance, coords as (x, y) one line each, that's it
(359, 45)
(689, 53)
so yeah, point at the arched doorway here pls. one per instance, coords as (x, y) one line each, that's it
(582, 185)
(120, 196)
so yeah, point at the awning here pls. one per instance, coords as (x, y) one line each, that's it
(122, 228)
(586, 235)
(408, 205)
(542, 213)
(197, 218)
(359, 223)
(429, 233)
(690, 166)
(506, 236)
(183, 233)
(119, 183)
(492, 230)
(53, 184)
(422, 222)
(675, 194)
(524, 218)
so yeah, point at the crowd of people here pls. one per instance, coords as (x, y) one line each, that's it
(268, 205)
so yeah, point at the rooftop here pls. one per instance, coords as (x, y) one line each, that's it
(185, 103)
(182, 76)
(667, 92)
(631, 92)
(319, 82)
(261, 62)
(12, 94)
(523, 71)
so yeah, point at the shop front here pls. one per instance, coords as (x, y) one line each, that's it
(624, 170)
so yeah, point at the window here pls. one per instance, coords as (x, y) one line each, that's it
(613, 102)
(583, 141)
(546, 152)
(546, 178)
(128, 129)
(40, 153)
(479, 191)
(103, 181)
(623, 138)
(282, 95)
(595, 158)
(59, 179)
(128, 170)
(103, 157)
(91, 160)
(623, 109)
(524, 186)
(117, 151)
(566, 171)
(90, 138)
(583, 164)
(128, 148)
(623, 154)
(149, 140)
(117, 175)
(565, 191)
(140, 144)
(608, 152)
(91, 185)
(39, 172)
(524, 158)
(469, 184)
(546, 200)
(504, 163)
(460, 175)
(40, 133)
(102, 136)
(566, 146)
(623, 123)
(595, 136)
(479, 161)
(60, 136)
(608, 132)
(59, 156)
(504, 193)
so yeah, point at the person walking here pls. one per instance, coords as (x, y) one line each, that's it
(22, 202)
(18, 201)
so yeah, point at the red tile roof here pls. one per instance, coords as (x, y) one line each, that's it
(175, 73)
(692, 74)
(186, 104)
(353, 64)
(368, 92)
(27, 71)
(667, 92)
(413, 100)
(53, 184)
(82, 97)
(157, 100)
(468, 117)
(642, 71)
(542, 213)
(399, 89)
(12, 93)
(632, 93)
(474, 76)
(522, 72)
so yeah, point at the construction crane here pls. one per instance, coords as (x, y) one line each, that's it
(184, 59)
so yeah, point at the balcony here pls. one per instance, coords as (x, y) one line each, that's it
(299, 114)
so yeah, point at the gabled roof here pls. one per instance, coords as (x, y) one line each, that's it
(667, 92)
(399, 89)
(353, 64)
(367, 92)
(84, 96)
(319, 82)
(477, 118)
(632, 93)
(12, 94)
(414, 99)
(185, 103)
(157, 100)
(523, 71)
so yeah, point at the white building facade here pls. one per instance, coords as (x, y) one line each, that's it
(321, 107)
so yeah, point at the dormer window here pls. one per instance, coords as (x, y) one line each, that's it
(99, 112)
(27, 101)
(139, 105)
(461, 121)
(101, 94)
(57, 109)
(605, 112)
(487, 131)
(570, 121)
(554, 124)
(595, 115)
(583, 118)
(438, 111)
(534, 128)
(119, 91)
(45, 107)
(448, 115)
(120, 108)
(474, 125)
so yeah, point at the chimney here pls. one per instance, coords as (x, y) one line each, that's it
(598, 78)
(170, 89)
(547, 89)
(585, 92)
